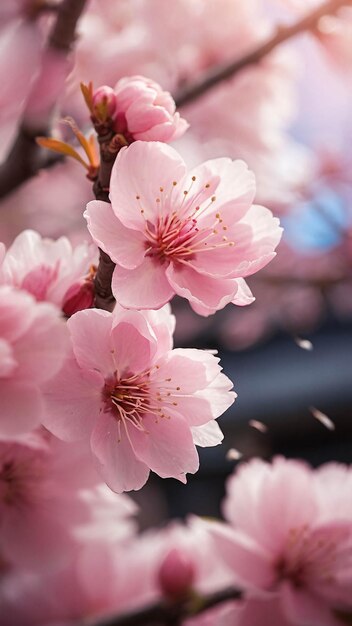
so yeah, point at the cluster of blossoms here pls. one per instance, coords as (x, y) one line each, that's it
(94, 398)
(286, 543)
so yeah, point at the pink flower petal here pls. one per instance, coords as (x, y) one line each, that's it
(146, 287)
(32, 539)
(73, 402)
(211, 293)
(249, 562)
(141, 170)
(166, 446)
(142, 115)
(200, 392)
(8, 362)
(207, 435)
(303, 607)
(243, 296)
(254, 240)
(234, 192)
(13, 324)
(124, 245)
(41, 351)
(91, 340)
(132, 331)
(258, 234)
(21, 408)
(115, 457)
(188, 368)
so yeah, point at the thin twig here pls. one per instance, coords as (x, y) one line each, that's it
(25, 157)
(283, 33)
(167, 613)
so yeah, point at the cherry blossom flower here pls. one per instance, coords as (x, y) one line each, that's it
(142, 110)
(99, 580)
(286, 540)
(33, 345)
(51, 270)
(37, 484)
(197, 235)
(142, 405)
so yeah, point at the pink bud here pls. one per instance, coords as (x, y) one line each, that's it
(104, 102)
(148, 112)
(176, 574)
(78, 297)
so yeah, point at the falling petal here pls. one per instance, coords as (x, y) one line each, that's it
(258, 426)
(305, 344)
(233, 455)
(322, 418)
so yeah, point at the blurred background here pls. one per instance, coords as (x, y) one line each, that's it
(289, 117)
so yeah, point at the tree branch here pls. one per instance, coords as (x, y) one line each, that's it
(63, 33)
(283, 33)
(25, 157)
(109, 148)
(167, 613)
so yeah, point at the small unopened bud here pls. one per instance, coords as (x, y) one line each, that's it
(104, 103)
(176, 574)
(78, 297)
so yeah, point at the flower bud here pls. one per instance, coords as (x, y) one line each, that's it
(176, 574)
(104, 103)
(78, 297)
(148, 112)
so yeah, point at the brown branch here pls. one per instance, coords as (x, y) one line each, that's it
(109, 149)
(283, 34)
(63, 33)
(25, 157)
(169, 614)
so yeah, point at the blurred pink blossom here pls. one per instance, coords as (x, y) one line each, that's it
(20, 45)
(285, 539)
(195, 234)
(36, 486)
(142, 409)
(33, 345)
(50, 270)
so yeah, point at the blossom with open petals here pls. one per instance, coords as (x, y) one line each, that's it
(195, 234)
(51, 270)
(141, 404)
(40, 478)
(290, 536)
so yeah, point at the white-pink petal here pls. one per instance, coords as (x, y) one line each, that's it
(124, 245)
(166, 446)
(72, 402)
(90, 332)
(133, 344)
(116, 460)
(21, 407)
(207, 435)
(145, 287)
(203, 291)
(141, 170)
